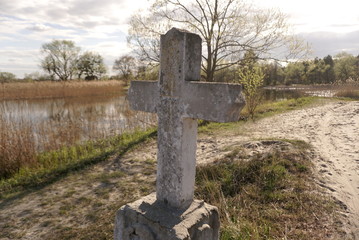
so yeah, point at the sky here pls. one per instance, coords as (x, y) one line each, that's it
(329, 26)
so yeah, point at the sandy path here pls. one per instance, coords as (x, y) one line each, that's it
(333, 130)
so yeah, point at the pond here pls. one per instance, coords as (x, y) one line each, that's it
(53, 123)
(278, 93)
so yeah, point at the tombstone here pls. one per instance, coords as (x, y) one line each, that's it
(179, 99)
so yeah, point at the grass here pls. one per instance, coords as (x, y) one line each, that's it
(264, 110)
(66, 124)
(27, 168)
(267, 197)
(56, 164)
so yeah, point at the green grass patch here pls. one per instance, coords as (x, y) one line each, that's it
(267, 197)
(56, 164)
(267, 109)
(272, 108)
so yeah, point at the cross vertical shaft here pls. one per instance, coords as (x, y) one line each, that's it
(177, 136)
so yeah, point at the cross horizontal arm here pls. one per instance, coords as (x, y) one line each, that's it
(144, 95)
(218, 102)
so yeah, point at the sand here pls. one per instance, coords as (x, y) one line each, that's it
(333, 130)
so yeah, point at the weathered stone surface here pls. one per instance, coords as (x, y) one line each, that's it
(148, 219)
(179, 99)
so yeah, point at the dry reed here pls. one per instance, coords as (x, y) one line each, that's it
(17, 146)
(72, 122)
(30, 90)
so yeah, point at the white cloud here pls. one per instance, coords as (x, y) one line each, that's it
(95, 25)
(101, 25)
(318, 15)
(39, 28)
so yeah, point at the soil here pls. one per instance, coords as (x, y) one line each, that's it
(332, 129)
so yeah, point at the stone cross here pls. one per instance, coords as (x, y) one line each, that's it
(180, 99)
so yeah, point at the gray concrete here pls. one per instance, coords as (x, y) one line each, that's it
(148, 219)
(179, 99)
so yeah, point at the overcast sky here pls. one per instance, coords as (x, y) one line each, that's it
(330, 26)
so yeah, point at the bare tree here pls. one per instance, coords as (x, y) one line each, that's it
(125, 65)
(60, 58)
(229, 28)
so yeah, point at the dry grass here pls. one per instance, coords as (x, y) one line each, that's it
(22, 140)
(270, 196)
(17, 146)
(22, 137)
(30, 90)
(348, 93)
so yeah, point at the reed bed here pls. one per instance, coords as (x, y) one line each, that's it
(24, 139)
(348, 93)
(17, 146)
(50, 89)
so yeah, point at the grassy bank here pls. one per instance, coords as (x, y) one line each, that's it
(268, 196)
(53, 165)
(263, 196)
(22, 165)
(264, 110)
(50, 89)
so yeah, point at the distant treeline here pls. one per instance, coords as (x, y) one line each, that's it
(342, 68)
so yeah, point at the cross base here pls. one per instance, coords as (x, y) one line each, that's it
(148, 219)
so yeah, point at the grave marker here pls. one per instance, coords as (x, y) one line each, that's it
(180, 99)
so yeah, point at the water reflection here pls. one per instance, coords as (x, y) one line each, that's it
(65, 121)
(275, 95)
(279, 93)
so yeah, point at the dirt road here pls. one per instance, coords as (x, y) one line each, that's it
(333, 130)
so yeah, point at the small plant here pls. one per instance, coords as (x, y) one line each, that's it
(252, 79)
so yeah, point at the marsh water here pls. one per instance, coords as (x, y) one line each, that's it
(64, 121)
(286, 92)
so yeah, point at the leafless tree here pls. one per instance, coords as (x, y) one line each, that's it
(229, 28)
(60, 58)
(125, 65)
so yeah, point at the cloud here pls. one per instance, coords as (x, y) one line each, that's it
(93, 25)
(324, 43)
(38, 28)
(72, 13)
(18, 61)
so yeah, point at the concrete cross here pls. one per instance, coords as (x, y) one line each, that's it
(179, 99)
